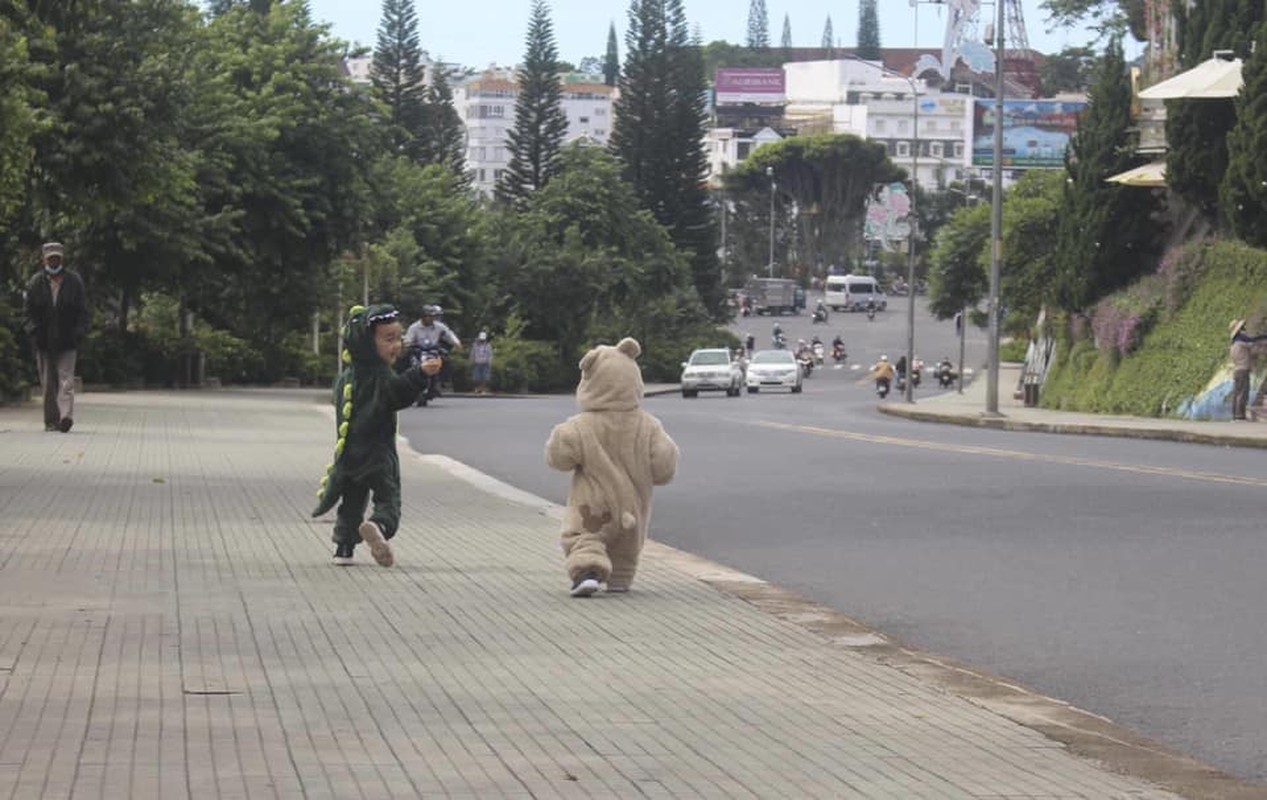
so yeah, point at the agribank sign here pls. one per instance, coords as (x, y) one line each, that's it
(739, 86)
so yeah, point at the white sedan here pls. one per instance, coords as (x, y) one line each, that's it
(711, 369)
(773, 369)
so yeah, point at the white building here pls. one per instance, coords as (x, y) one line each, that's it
(486, 104)
(848, 96)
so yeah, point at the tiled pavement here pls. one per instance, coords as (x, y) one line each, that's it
(170, 627)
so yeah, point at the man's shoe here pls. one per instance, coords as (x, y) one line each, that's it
(65, 425)
(585, 584)
(343, 555)
(372, 535)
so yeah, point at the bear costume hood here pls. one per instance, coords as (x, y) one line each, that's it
(610, 378)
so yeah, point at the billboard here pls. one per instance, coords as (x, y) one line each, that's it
(1035, 132)
(739, 86)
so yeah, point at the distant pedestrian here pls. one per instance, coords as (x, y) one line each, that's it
(616, 452)
(1242, 365)
(750, 343)
(367, 396)
(481, 362)
(56, 317)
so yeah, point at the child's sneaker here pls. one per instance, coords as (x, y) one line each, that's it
(379, 548)
(585, 584)
(343, 554)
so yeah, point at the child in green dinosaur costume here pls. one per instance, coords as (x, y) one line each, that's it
(367, 396)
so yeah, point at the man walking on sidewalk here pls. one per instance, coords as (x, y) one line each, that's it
(56, 311)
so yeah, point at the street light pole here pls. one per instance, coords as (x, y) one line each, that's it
(769, 173)
(996, 219)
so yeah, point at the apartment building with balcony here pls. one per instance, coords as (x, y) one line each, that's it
(486, 104)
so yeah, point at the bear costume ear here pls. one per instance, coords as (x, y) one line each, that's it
(630, 347)
(587, 360)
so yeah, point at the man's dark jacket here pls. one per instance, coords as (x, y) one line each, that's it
(56, 326)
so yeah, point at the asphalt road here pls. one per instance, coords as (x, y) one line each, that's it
(1122, 576)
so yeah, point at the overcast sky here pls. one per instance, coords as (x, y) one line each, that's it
(481, 32)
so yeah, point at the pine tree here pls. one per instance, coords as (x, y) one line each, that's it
(397, 74)
(1105, 229)
(868, 31)
(829, 40)
(758, 24)
(1243, 193)
(444, 140)
(658, 135)
(787, 34)
(540, 124)
(611, 62)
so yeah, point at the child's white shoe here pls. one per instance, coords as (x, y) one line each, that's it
(372, 535)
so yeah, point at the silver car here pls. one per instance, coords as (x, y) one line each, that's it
(712, 370)
(774, 369)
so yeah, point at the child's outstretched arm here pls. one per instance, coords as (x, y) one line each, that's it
(664, 453)
(563, 449)
(403, 388)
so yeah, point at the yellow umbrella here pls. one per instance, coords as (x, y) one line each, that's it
(1210, 80)
(1153, 174)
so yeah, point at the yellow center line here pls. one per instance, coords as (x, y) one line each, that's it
(1017, 455)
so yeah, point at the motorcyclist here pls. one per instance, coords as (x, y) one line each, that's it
(838, 347)
(882, 371)
(871, 307)
(820, 310)
(776, 337)
(946, 372)
(917, 371)
(428, 332)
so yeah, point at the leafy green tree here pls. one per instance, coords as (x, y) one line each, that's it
(443, 139)
(829, 40)
(1070, 70)
(957, 279)
(1032, 212)
(868, 31)
(284, 174)
(540, 124)
(758, 25)
(1197, 130)
(1108, 16)
(611, 61)
(829, 176)
(397, 76)
(658, 135)
(584, 244)
(17, 119)
(1243, 193)
(115, 177)
(1106, 231)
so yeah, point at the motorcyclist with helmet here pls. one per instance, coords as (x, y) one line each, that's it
(838, 348)
(882, 371)
(430, 334)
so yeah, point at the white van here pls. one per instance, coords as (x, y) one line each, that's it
(853, 292)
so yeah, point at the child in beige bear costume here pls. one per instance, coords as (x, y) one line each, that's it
(616, 453)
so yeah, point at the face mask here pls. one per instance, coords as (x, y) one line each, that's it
(49, 269)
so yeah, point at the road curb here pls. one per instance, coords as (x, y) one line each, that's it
(1085, 429)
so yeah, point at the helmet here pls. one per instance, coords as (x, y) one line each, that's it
(430, 311)
(884, 358)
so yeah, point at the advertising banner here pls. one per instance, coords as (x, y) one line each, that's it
(737, 86)
(1035, 132)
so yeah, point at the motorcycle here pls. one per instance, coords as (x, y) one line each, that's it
(428, 351)
(818, 353)
(917, 370)
(807, 364)
(838, 352)
(871, 312)
(882, 387)
(779, 341)
(945, 375)
(820, 315)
